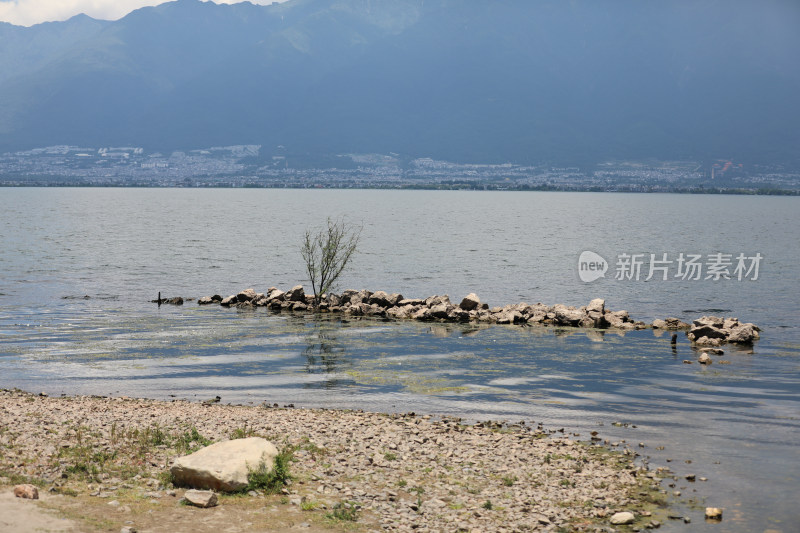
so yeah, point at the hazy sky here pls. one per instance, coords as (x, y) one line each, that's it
(29, 12)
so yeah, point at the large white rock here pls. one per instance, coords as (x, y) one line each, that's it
(623, 518)
(223, 466)
(598, 305)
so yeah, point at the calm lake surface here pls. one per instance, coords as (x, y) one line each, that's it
(78, 267)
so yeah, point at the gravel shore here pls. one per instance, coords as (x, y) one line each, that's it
(395, 472)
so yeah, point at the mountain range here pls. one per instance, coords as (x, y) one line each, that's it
(464, 80)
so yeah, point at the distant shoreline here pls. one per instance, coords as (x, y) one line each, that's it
(430, 187)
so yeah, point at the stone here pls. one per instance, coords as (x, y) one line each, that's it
(356, 297)
(676, 323)
(598, 305)
(616, 319)
(713, 513)
(230, 300)
(346, 296)
(201, 498)
(440, 311)
(705, 341)
(623, 518)
(223, 466)
(411, 301)
(730, 323)
(568, 316)
(459, 315)
(296, 294)
(743, 334)
(382, 299)
(128, 529)
(205, 300)
(423, 313)
(26, 491)
(437, 300)
(537, 317)
(400, 312)
(276, 295)
(359, 309)
(704, 359)
(247, 295)
(509, 317)
(707, 331)
(713, 321)
(659, 324)
(470, 302)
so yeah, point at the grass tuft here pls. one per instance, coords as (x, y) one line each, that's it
(343, 512)
(271, 479)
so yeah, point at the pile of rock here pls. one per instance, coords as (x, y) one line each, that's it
(713, 331)
(433, 308)
(709, 331)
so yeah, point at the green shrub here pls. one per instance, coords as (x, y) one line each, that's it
(343, 511)
(271, 480)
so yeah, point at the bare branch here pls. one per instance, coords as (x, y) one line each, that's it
(327, 254)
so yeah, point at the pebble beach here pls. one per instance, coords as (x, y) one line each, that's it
(395, 472)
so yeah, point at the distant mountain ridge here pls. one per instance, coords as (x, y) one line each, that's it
(501, 80)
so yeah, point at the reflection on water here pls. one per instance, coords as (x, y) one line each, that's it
(325, 354)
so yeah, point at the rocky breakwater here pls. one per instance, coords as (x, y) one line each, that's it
(714, 331)
(704, 331)
(436, 308)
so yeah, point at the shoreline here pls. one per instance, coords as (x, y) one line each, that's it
(401, 471)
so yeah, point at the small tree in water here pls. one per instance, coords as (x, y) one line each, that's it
(327, 253)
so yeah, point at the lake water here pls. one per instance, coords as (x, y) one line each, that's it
(78, 267)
